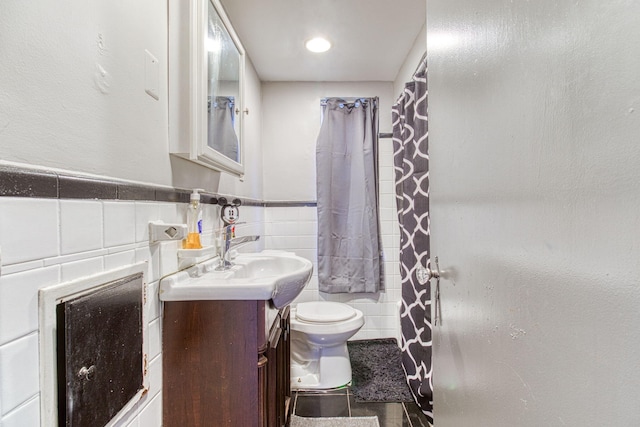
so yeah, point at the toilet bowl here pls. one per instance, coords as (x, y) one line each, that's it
(319, 334)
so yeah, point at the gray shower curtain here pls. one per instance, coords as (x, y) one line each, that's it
(349, 248)
(221, 134)
(411, 164)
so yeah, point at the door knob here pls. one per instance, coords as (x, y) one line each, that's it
(424, 274)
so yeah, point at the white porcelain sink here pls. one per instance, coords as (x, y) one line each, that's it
(268, 275)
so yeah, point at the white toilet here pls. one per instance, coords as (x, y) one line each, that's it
(319, 334)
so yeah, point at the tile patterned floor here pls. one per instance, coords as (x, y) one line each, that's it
(340, 403)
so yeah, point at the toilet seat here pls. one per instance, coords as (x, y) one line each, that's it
(328, 318)
(324, 312)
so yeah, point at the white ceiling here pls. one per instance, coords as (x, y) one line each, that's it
(370, 38)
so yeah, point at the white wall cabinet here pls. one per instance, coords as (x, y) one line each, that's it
(206, 70)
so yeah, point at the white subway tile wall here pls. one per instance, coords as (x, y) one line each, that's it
(19, 300)
(77, 269)
(46, 242)
(35, 236)
(27, 414)
(19, 381)
(80, 226)
(119, 223)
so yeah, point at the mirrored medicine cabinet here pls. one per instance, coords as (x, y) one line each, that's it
(206, 70)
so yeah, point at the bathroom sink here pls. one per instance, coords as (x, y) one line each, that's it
(268, 275)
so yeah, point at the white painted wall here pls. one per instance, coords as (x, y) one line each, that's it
(72, 95)
(73, 87)
(411, 62)
(535, 207)
(291, 122)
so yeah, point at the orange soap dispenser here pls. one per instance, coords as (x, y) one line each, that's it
(194, 222)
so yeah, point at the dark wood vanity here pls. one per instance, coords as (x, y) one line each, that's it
(225, 363)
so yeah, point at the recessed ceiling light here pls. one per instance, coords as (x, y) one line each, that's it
(318, 45)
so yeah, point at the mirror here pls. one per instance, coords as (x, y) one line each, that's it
(223, 81)
(206, 68)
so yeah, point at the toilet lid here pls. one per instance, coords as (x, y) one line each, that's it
(324, 311)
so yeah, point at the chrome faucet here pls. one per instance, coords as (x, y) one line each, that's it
(231, 242)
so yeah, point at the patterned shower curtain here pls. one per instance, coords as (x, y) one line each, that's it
(411, 164)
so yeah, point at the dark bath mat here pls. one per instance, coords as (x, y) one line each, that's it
(377, 371)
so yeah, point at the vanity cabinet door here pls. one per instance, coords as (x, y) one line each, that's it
(278, 387)
(263, 395)
(211, 364)
(273, 397)
(221, 369)
(284, 365)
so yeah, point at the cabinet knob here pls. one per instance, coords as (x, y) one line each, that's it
(87, 373)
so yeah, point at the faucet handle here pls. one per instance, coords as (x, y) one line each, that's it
(227, 227)
(228, 231)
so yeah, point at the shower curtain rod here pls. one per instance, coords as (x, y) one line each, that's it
(323, 101)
